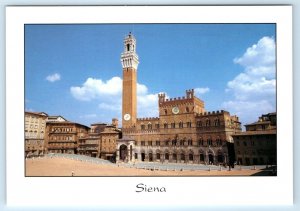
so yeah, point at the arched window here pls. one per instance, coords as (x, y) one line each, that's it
(191, 157)
(174, 142)
(207, 123)
(173, 125)
(200, 142)
(209, 141)
(166, 111)
(180, 124)
(165, 125)
(189, 124)
(143, 127)
(149, 126)
(217, 122)
(167, 156)
(128, 47)
(187, 109)
(190, 142)
(182, 157)
(181, 142)
(199, 124)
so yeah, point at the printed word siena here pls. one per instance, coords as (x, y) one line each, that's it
(143, 188)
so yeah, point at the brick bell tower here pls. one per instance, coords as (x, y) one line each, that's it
(129, 61)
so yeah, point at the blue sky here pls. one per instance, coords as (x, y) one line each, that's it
(75, 70)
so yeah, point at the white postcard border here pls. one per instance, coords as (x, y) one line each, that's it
(114, 191)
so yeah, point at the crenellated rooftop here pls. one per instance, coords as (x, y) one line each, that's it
(147, 119)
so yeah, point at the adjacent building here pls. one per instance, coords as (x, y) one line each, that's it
(101, 141)
(35, 130)
(258, 144)
(183, 132)
(63, 136)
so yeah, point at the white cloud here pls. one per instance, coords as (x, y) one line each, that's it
(254, 90)
(108, 94)
(53, 78)
(96, 88)
(200, 91)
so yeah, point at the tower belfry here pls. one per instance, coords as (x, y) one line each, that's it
(129, 61)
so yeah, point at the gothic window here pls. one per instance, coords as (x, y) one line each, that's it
(190, 142)
(180, 124)
(199, 124)
(200, 142)
(187, 109)
(181, 142)
(165, 125)
(207, 123)
(142, 143)
(209, 141)
(150, 143)
(182, 157)
(149, 126)
(157, 126)
(173, 125)
(189, 124)
(167, 143)
(166, 112)
(143, 127)
(174, 156)
(157, 156)
(191, 157)
(167, 156)
(174, 142)
(217, 122)
(157, 143)
(128, 47)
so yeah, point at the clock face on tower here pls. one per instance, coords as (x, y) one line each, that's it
(127, 117)
(175, 110)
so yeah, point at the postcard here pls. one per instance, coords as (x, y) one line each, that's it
(134, 104)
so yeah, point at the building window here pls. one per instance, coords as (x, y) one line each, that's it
(149, 126)
(150, 143)
(207, 123)
(157, 143)
(167, 156)
(166, 111)
(173, 125)
(180, 125)
(167, 143)
(209, 142)
(157, 156)
(174, 156)
(181, 142)
(157, 126)
(199, 124)
(174, 142)
(143, 127)
(217, 122)
(219, 142)
(187, 109)
(142, 143)
(200, 142)
(165, 125)
(189, 124)
(190, 142)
